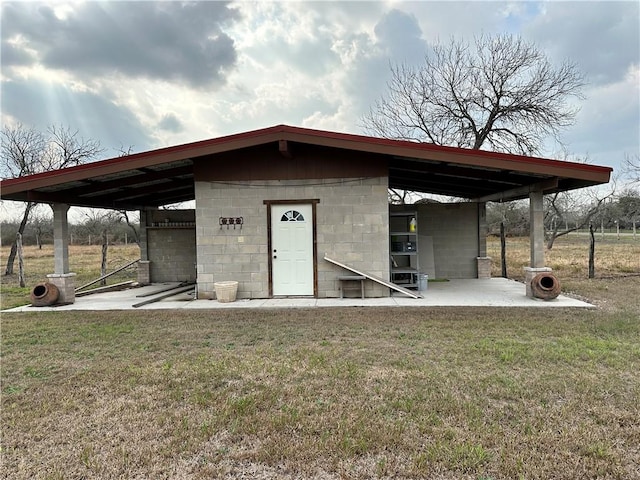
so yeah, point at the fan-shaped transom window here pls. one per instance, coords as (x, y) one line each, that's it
(292, 216)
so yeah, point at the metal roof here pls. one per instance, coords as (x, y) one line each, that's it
(165, 176)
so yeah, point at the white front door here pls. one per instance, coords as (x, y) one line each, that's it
(292, 249)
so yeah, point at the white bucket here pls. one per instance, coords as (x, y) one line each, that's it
(226, 291)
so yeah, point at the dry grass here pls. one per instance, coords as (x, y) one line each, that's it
(569, 256)
(84, 260)
(354, 393)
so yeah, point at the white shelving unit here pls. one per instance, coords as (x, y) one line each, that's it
(403, 248)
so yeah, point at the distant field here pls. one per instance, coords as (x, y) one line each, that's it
(569, 257)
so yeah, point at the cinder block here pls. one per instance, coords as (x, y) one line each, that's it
(529, 273)
(65, 282)
(484, 267)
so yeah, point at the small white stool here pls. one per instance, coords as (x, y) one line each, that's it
(344, 283)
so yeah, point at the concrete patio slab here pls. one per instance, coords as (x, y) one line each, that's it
(490, 292)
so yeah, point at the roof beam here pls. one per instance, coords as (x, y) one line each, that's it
(143, 177)
(426, 182)
(108, 203)
(125, 199)
(507, 178)
(156, 190)
(167, 199)
(435, 190)
(546, 186)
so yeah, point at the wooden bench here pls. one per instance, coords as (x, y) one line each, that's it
(346, 283)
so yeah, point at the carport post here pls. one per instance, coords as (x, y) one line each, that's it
(144, 222)
(536, 229)
(483, 262)
(144, 266)
(62, 278)
(536, 240)
(60, 238)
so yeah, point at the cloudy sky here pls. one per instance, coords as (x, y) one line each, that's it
(146, 74)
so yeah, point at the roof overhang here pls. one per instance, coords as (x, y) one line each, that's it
(164, 176)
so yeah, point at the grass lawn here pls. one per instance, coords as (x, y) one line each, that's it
(451, 393)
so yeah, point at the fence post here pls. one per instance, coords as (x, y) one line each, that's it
(20, 259)
(503, 250)
(103, 265)
(592, 249)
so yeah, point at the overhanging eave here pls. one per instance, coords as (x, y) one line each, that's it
(520, 192)
(138, 179)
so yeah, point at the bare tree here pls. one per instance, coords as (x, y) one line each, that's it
(501, 94)
(94, 221)
(569, 211)
(397, 197)
(632, 166)
(560, 205)
(22, 153)
(67, 148)
(122, 152)
(131, 224)
(25, 151)
(629, 208)
(513, 215)
(41, 225)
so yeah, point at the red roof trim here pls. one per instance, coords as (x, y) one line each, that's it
(286, 129)
(430, 147)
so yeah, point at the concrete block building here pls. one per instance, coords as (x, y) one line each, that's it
(271, 204)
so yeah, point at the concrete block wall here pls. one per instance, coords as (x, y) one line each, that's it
(353, 228)
(171, 245)
(454, 231)
(351, 222)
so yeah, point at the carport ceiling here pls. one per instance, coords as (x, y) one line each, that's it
(165, 176)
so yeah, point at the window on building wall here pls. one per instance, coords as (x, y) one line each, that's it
(292, 216)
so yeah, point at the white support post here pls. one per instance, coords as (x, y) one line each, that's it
(144, 266)
(62, 277)
(536, 227)
(60, 238)
(536, 240)
(483, 229)
(144, 223)
(483, 262)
